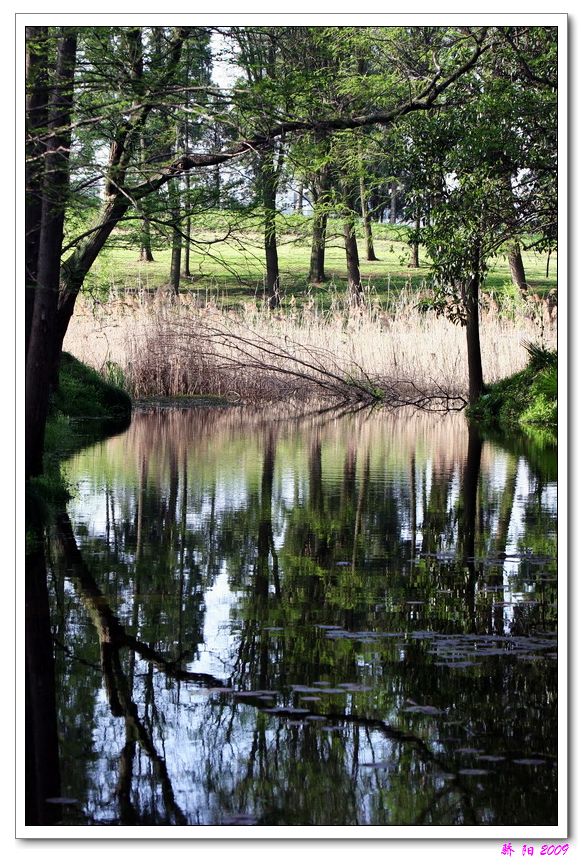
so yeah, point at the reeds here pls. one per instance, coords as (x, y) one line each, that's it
(393, 352)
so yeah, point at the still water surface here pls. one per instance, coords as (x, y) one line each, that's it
(322, 620)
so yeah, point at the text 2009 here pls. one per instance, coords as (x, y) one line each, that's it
(553, 849)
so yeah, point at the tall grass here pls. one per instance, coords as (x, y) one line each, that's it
(392, 351)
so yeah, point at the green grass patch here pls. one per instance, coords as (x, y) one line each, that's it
(83, 393)
(232, 270)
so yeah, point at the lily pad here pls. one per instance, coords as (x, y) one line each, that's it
(424, 710)
(474, 772)
(530, 761)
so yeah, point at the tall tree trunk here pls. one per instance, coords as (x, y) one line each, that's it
(472, 306)
(299, 202)
(352, 259)
(176, 238)
(414, 261)
(516, 265)
(317, 258)
(188, 226)
(36, 123)
(145, 233)
(320, 191)
(268, 179)
(367, 222)
(43, 345)
(145, 241)
(393, 216)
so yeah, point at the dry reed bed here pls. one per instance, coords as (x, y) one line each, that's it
(160, 348)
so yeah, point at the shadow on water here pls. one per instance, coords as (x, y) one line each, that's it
(295, 621)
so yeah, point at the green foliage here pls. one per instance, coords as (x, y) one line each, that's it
(527, 401)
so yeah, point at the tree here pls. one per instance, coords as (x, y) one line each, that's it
(41, 348)
(491, 170)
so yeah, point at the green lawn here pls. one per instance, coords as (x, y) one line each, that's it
(232, 270)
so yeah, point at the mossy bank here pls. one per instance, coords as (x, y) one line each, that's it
(526, 402)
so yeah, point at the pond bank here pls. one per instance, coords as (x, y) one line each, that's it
(84, 409)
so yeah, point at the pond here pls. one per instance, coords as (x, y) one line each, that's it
(323, 619)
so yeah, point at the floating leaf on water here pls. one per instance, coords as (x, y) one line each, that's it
(354, 686)
(491, 758)
(242, 695)
(424, 710)
(458, 664)
(305, 689)
(474, 772)
(530, 761)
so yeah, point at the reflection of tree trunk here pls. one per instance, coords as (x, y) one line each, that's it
(359, 507)
(500, 541)
(349, 473)
(42, 749)
(112, 637)
(470, 492)
(315, 476)
(413, 509)
(468, 520)
(265, 529)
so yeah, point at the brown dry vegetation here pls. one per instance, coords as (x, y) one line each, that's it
(399, 354)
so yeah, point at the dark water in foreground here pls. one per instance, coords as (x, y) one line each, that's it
(327, 620)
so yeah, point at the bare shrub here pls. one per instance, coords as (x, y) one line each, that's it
(395, 353)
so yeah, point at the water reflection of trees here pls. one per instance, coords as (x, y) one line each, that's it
(366, 525)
